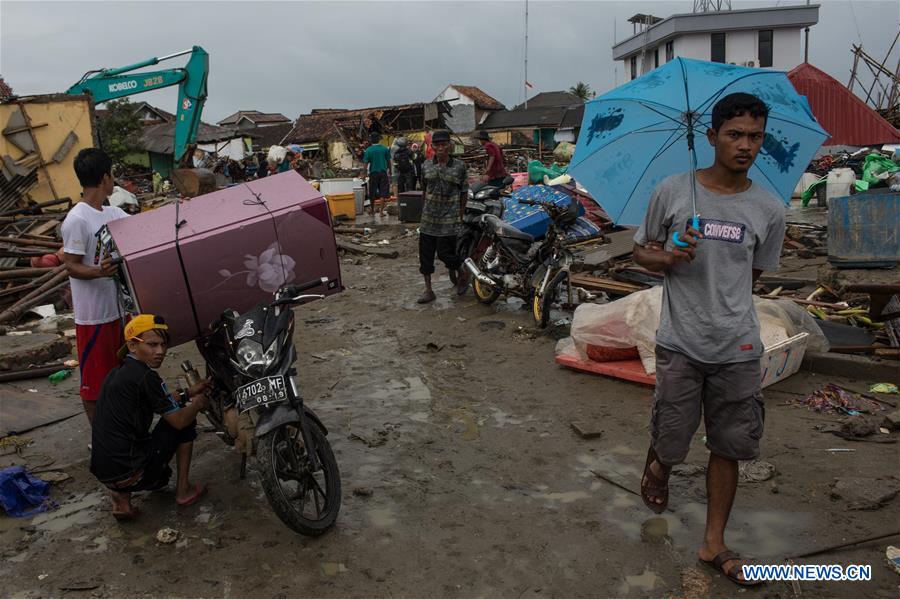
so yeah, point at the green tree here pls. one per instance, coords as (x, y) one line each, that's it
(119, 129)
(582, 90)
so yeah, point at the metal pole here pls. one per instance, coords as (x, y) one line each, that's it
(805, 45)
(526, 55)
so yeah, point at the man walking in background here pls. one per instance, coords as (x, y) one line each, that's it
(377, 166)
(446, 184)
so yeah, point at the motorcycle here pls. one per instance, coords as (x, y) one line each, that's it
(512, 263)
(254, 399)
(483, 199)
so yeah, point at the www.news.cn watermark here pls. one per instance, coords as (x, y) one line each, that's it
(808, 572)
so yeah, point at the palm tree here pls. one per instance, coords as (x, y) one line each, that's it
(582, 90)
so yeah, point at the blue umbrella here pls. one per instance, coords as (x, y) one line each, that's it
(640, 133)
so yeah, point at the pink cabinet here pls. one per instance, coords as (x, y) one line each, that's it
(229, 249)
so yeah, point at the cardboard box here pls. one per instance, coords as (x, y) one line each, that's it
(233, 249)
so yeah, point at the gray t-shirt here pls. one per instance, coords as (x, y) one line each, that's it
(707, 306)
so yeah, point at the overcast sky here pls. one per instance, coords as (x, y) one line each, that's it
(291, 57)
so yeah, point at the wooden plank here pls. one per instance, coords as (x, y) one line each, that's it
(604, 284)
(621, 243)
(21, 411)
(364, 249)
(628, 370)
(43, 227)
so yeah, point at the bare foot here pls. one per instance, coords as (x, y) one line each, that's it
(190, 494)
(122, 508)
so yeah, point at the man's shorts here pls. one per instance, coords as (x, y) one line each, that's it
(98, 347)
(379, 185)
(728, 395)
(164, 442)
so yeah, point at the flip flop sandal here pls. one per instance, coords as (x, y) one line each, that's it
(653, 485)
(199, 490)
(732, 573)
(127, 516)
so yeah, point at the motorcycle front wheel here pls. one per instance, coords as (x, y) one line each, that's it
(307, 502)
(543, 302)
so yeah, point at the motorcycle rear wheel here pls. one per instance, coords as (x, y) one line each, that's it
(542, 303)
(486, 294)
(307, 502)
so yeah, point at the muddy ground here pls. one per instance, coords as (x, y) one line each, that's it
(479, 485)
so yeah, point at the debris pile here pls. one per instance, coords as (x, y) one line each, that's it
(835, 399)
(31, 268)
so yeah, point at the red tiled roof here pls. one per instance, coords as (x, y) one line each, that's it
(849, 120)
(5, 90)
(482, 100)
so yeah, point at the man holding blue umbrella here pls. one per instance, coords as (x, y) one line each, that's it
(712, 232)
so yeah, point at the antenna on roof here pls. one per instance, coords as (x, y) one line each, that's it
(711, 5)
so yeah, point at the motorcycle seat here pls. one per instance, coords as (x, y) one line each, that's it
(503, 229)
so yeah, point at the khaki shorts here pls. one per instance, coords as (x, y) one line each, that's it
(727, 395)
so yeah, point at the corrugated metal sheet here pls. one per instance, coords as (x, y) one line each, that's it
(848, 119)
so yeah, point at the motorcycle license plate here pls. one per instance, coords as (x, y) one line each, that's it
(261, 392)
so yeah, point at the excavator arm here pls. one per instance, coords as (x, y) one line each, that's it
(108, 84)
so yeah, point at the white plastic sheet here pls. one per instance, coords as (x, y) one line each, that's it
(276, 154)
(120, 197)
(631, 322)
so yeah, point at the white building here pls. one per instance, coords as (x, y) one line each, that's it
(469, 107)
(758, 37)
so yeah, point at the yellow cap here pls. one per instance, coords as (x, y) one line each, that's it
(142, 323)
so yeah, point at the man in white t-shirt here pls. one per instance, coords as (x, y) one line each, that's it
(98, 326)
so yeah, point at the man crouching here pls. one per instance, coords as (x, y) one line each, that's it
(126, 455)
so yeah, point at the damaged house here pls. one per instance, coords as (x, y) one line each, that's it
(469, 105)
(545, 120)
(340, 135)
(158, 142)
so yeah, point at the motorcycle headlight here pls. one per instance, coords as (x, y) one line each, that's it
(251, 357)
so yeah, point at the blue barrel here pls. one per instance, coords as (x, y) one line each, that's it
(864, 230)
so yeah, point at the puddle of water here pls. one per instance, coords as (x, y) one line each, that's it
(382, 517)
(332, 568)
(470, 433)
(655, 530)
(74, 513)
(626, 451)
(19, 557)
(757, 533)
(100, 544)
(502, 419)
(141, 541)
(417, 389)
(608, 465)
(564, 497)
(409, 389)
(645, 581)
(512, 304)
